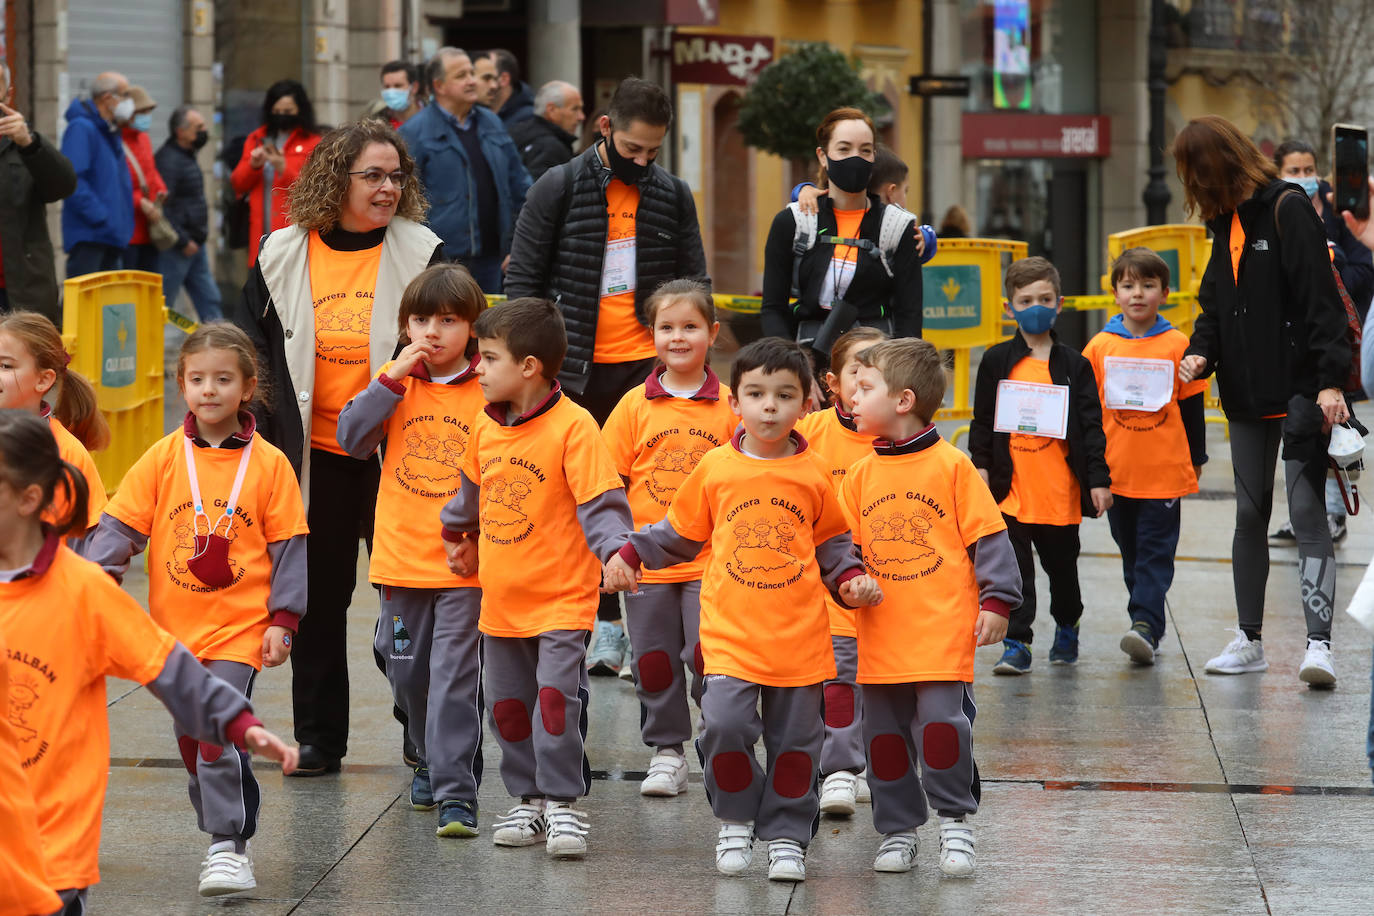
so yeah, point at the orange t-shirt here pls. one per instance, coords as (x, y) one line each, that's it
(22, 874)
(915, 517)
(74, 453)
(843, 259)
(67, 630)
(1236, 242)
(536, 571)
(656, 440)
(1147, 450)
(341, 283)
(840, 446)
(763, 616)
(426, 439)
(1044, 490)
(155, 499)
(620, 338)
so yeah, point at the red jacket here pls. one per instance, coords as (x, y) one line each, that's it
(248, 180)
(141, 146)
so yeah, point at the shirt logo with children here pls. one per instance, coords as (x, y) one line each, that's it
(184, 532)
(762, 555)
(896, 542)
(673, 461)
(342, 329)
(431, 463)
(27, 686)
(504, 519)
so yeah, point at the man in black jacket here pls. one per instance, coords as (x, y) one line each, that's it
(38, 175)
(185, 263)
(546, 139)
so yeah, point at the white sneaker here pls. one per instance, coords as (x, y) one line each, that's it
(523, 825)
(1317, 669)
(862, 793)
(956, 847)
(838, 794)
(667, 776)
(1240, 655)
(567, 831)
(896, 853)
(734, 848)
(225, 871)
(627, 668)
(786, 861)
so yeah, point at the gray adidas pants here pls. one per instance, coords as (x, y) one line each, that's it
(664, 620)
(429, 642)
(536, 690)
(843, 748)
(930, 722)
(782, 801)
(222, 787)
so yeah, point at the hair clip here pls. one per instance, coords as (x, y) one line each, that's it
(66, 358)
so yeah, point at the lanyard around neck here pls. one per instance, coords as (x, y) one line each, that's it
(233, 494)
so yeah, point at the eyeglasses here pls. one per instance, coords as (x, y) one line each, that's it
(375, 177)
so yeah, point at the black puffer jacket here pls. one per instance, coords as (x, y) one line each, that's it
(542, 144)
(30, 178)
(1280, 331)
(185, 205)
(560, 246)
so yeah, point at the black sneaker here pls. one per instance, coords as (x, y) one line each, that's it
(410, 754)
(315, 762)
(421, 795)
(457, 818)
(1283, 536)
(1336, 525)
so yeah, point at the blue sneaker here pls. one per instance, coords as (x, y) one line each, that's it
(1065, 648)
(1016, 659)
(457, 818)
(1139, 644)
(421, 795)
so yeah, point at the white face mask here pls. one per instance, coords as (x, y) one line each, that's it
(124, 110)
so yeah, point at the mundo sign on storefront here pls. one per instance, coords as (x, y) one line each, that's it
(728, 60)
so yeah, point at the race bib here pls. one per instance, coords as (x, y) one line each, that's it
(618, 270)
(1032, 409)
(1137, 384)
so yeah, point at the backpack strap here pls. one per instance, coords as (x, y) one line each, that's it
(896, 225)
(803, 240)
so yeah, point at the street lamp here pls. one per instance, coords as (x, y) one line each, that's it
(1156, 195)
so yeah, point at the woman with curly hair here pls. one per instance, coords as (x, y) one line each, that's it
(323, 308)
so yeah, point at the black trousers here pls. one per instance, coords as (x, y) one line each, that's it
(343, 499)
(605, 387)
(1058, 548)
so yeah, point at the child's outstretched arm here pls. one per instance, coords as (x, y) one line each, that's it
(1089, 407)
(606, 522)
(999, 585)
(657, 546)
(286, 598)
(362, 422)
(112, 545)
(459, 519)
(842, 572)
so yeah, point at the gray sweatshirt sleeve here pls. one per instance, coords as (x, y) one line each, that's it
(606, 522)
(205, 707)
(112, 545)
(836, 558)
(288, 589)
(460, 512)
(994, 566)
(660, 546)
(362, 422)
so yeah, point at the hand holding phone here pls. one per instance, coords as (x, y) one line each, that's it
(1350, 169)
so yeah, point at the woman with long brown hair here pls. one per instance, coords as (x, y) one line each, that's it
(1273, 329)
(322, 305)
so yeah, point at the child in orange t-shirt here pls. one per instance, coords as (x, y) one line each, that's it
(220, 513)
(540, 494)
(778, 542)
(1036, 438)
(33, 361)
(423, 406)
(1156, 439)
(657, 434)
(833, 436)
(931, 534)
(68, 627)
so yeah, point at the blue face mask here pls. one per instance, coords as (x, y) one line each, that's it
(1035, 319)
(143, 122)
(396, 99)
(1309, 184)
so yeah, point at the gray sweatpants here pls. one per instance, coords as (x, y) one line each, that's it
(930, 722)
(782, 800)
(1254, 450)
(429, 642)
(221, 785)
(536, 690)
(844, 736)
(664, 620)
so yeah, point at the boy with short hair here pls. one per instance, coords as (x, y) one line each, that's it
(778, 542)
(1156, 439)
(540, 494)
(1036, 438)
(888, 180)
(932, 535)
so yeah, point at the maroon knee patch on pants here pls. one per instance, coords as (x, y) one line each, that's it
(839, 705)
(697, 663)
(210, 752)
(793, 774)
(888, 758)
(940, 745)
(187, 745)
(655, 671)
(551, 710)
(733, 771)
(512, 719)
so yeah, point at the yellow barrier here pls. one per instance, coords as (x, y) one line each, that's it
(113, 323)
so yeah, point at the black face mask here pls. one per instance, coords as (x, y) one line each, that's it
(282, 124)
(627, 170)
(201, 138)
(850, 174)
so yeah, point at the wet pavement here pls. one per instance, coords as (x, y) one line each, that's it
(1105, 786)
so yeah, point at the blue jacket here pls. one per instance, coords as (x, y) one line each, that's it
(443, 166)
(102, 208)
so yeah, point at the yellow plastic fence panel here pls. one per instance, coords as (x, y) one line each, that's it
(112, 325)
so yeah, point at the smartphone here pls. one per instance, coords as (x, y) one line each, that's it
(1350, 169)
